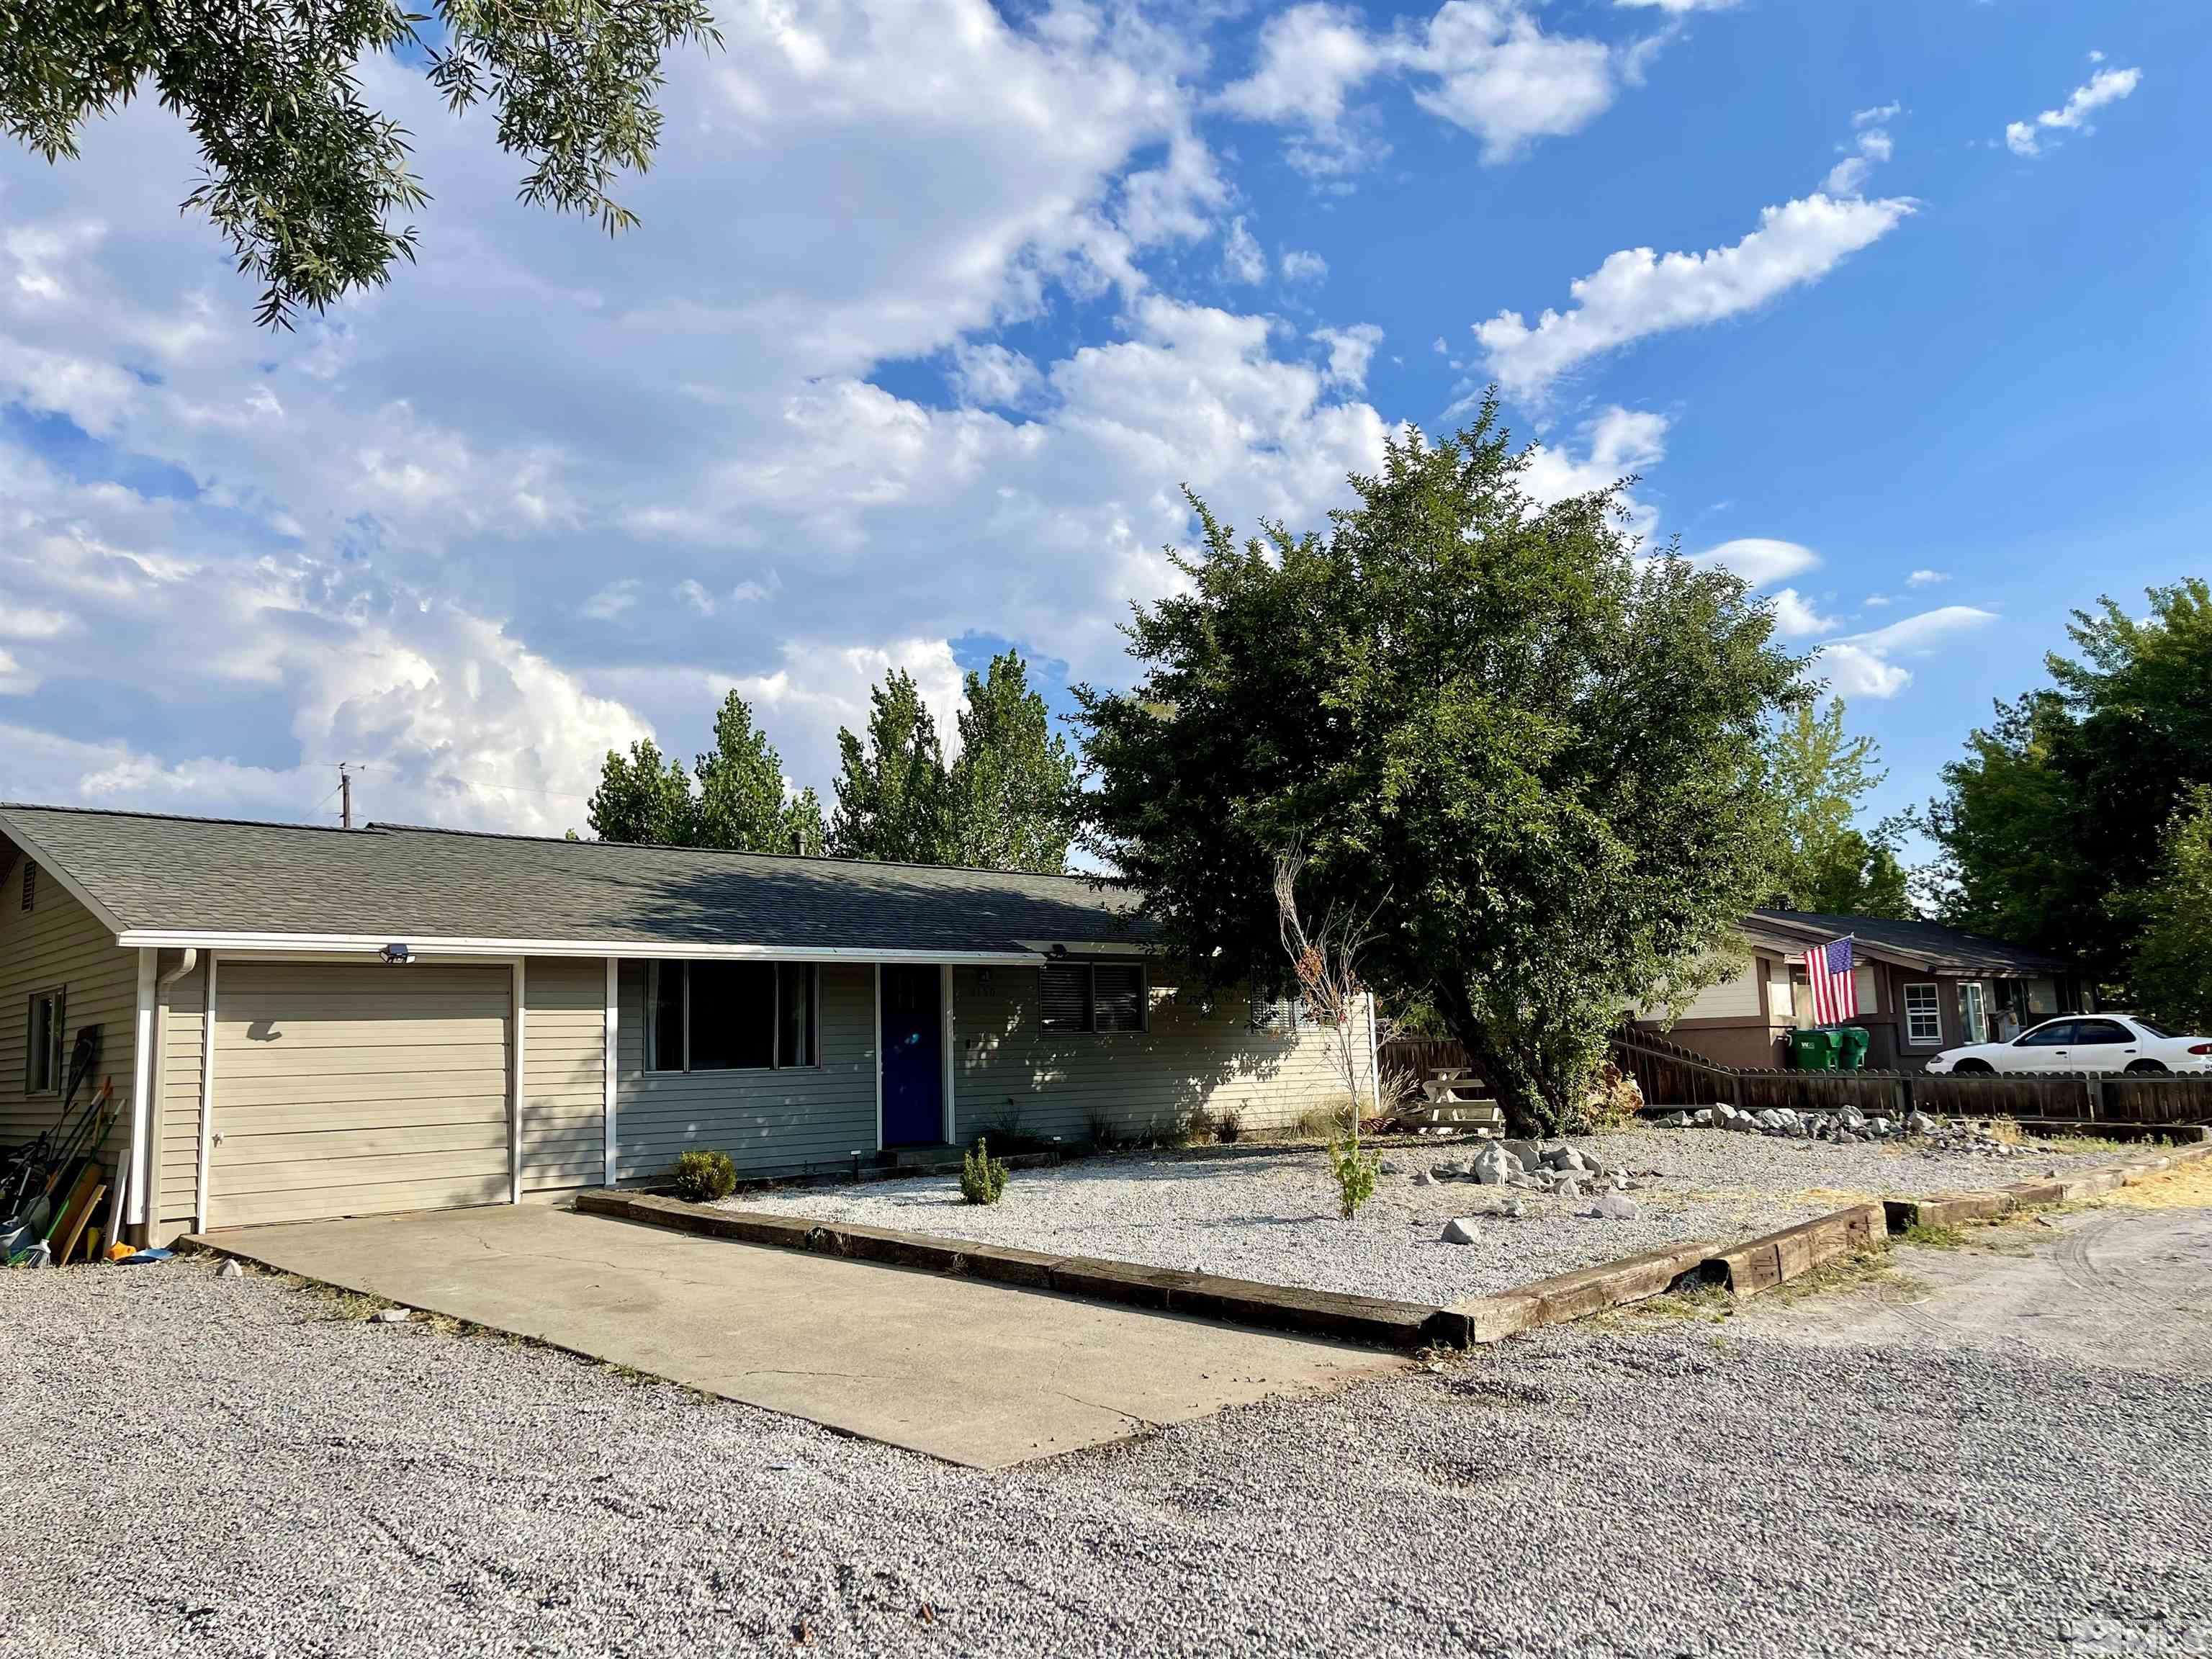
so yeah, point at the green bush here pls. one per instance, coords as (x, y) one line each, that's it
(1355, 1174)
(1103, 1132)
(1229, 1128)
(703, 1175)
(982, 1178)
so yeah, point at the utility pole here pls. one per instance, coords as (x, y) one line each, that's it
(345, 797)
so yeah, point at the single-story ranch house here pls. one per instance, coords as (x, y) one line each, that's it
(303, 1022)
(1922, 988)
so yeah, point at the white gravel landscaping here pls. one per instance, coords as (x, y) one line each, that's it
(1271, 1216)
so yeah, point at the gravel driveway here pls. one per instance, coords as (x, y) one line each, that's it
(1271, 1217)
(199, 1467)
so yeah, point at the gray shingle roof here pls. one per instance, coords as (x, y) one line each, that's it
(1928, 943)
(176, 875)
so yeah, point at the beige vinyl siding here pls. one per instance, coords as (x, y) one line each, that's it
(1197, 1052)
(60, 942)
(564, 1067)
(768, 1122)
(1736, 997)
(347, 1090)
(177, 1129)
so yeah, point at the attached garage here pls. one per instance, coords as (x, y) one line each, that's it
(357, 1091)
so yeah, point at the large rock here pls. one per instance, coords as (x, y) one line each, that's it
(1460, 1230)
(1493, 1165)
(1616, 1207)
(1424, 1179)
(1527, 1151)
(1919, 1123)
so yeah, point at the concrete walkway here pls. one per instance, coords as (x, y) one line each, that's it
(978, 1374)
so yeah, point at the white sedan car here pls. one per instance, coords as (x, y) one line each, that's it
(2082, 1042)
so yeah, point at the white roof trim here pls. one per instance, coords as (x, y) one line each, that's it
(38, 855)
(345, 944)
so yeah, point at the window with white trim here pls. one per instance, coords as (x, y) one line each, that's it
(1092, 996)
(42, 1042)
(1923, 1015)
(730, 1015)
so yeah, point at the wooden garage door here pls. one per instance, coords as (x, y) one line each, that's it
(353, 1090)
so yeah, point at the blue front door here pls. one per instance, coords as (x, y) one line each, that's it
(913, 1057)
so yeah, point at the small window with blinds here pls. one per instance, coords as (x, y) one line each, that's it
(1117, 996)
(1092, 996)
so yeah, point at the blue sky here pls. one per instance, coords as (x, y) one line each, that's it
(1898, 308)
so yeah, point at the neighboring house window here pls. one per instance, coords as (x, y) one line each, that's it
(1279, 1013)
(30, 884)
(1092, 996)
(1923, 1017)
(729, 1015)
(1973, 1010)
(42, 1063)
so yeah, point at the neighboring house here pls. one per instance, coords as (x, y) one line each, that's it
(577, 1013)
(1922, 988)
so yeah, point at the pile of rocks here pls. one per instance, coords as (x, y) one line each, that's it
(1523, 1166)
(1849, 1125)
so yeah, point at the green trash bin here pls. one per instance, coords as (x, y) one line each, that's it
(1854, 1040)
(1812, 1049)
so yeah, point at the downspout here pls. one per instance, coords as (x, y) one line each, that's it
(143, 1071)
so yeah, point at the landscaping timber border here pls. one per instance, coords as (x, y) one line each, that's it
(1743, 1269)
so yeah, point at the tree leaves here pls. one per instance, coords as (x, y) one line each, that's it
(304, 179)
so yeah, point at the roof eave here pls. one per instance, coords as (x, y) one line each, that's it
(370, 944)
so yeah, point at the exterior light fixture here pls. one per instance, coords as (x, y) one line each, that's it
(395, 956)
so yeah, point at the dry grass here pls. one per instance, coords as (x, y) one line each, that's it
(2188, 1187)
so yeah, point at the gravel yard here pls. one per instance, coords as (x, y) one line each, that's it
(1271, 1217)
(201, 1467)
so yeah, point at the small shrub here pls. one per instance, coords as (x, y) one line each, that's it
(982, 1178)
(1229, 1128)
(1326, 1119)
(1355, 1172)
(703, 1175)
(1102, 1132)
(1614, 1100)
(1199, 1127)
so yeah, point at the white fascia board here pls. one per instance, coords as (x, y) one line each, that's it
(73, 888)
(359, 943)
(1078, 947)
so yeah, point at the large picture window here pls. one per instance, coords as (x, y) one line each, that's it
(1093, 996)
(1923, 1017)
(42, 1044)
(729, 1015)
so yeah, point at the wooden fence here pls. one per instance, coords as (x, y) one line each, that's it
(1417, 1057)
(1671, 1075)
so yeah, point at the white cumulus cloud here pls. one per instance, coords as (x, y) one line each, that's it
(1487, 66)
(1637, 293)
(2105, 87)
(1867, 664)
(1760, 560)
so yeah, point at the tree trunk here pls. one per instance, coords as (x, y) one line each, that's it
(1519, 1095)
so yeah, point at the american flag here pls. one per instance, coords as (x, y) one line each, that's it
(1835, 991)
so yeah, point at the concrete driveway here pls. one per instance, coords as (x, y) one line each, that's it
(983, 1375)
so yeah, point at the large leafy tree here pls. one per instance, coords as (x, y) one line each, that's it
(2169, 970)
(2051, 826)
(306, 181)
(1531, 754)
(894, 793)
(739, 802)
(1821, 773)
(1014, 785)
(642, 797)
